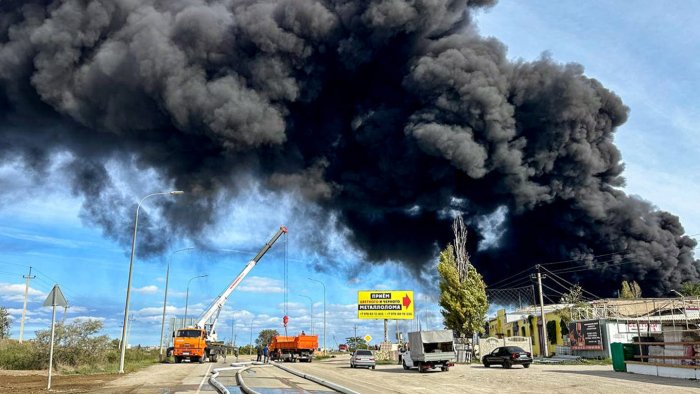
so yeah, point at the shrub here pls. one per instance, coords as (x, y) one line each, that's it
(15, 355)
(75, 344)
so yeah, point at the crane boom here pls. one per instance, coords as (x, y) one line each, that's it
(221, 300)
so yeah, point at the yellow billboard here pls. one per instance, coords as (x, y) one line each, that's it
(385, 304)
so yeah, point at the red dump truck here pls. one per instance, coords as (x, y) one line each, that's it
(291, 349)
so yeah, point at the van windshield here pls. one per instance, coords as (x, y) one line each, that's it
(188, 333)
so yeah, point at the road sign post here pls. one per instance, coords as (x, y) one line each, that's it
(54, 299)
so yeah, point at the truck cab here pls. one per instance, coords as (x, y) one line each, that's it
(189, 343)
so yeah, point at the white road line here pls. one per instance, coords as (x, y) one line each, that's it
(204, 378)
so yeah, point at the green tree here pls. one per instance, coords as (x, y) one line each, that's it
(690, 289)
(574, 298)
(630, 290)
(265, 337)
(463, 301)
(5, 323)
(356, 343)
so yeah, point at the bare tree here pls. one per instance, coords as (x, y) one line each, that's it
(460, 248)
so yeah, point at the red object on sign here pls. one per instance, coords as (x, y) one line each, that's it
(406, 301)
(285, 320)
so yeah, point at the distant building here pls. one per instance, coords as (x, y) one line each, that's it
(525, 322)
(594, 325)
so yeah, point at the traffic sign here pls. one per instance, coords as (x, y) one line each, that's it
(56, 298)
(385, 304)
(368, 338)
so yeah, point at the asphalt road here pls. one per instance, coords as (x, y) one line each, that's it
(193, 378)
(182, 378)
(478, 379)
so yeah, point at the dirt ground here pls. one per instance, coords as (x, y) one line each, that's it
(31, 382)
(156, 379)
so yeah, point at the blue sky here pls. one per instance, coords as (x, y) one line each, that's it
(646, 52)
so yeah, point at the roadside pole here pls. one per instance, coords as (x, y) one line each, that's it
(24, 308)
(55, 298)
(543, 320)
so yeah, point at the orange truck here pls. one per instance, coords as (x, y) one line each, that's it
(291, 349)
(191, 343)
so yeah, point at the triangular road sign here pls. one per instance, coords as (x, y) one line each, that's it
(56, 298)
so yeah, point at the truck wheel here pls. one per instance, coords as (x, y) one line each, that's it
(405, 366)
(178, 359)
(445, 368)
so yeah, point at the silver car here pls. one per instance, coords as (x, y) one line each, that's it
(362, 358)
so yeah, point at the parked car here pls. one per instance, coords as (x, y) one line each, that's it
(508, 356)
(343, 347)
(362, 358)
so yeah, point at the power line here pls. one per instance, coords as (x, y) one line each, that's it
(514, 284)
(582, 258)
(555, 291)
(553, 275)
(512, 276)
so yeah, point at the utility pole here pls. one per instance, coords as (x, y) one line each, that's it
(355, 337)
(24, 308)
(386, 330)
(543, 334)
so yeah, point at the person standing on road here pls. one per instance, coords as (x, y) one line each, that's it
(259, 354)
(266, 352)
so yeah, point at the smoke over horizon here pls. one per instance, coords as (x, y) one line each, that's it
(388, 115)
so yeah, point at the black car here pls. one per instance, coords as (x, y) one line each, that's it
(507, 356)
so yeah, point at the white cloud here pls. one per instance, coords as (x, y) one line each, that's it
(77, 309)
(259, 284)
(15, 292)
(150, 289)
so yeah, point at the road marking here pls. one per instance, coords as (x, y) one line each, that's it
(204, 378)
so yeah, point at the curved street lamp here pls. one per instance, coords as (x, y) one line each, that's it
(165, 300)
(187, 298)
(311, 302)
(324, 311)
(131, 268)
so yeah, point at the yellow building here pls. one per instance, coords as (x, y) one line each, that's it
(525, 322)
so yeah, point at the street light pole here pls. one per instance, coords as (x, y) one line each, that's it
(311, 302)
(324, 312)
(187, 297)
(165, 301)
(131, 269)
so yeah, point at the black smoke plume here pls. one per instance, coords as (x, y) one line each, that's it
(390, 114)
